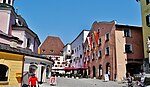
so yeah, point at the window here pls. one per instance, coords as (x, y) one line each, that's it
(93, 55)
(3, 73)
(28, 42)
(88, 58)
(147, 2)
(51, 51)
(79, 47)
(107, 37)
(72, 52)
(99, 54)
(88, 48)
(148, 20)
(4, 1)
(98, 30)
(93, 44)
(128, 48)
(68, 50)
(127, 32)
(58, 62)
(43, 50)
(9, 1)
(99, 41)
(107, 51)
(56, 58)
(55, 65)
(80, 56)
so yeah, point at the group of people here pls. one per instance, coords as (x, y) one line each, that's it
(139, 83)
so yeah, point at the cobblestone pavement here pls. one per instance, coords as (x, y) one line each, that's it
(71, 82)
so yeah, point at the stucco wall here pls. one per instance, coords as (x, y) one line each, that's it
(15, 64)
(121, 57)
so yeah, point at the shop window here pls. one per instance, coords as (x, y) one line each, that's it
(128, 48)
(127, 33)
(3, 73)
(148, 20)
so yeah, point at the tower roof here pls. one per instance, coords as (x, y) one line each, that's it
(52, 46)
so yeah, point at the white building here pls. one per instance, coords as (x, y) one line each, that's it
(77, 50)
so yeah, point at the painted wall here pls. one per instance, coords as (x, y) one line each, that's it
(121, 57)
(4, 20)
(145, 9)
(15, 64)
(77, 47)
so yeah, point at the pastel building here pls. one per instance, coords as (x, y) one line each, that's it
(76, 54)
(145, 12)
(113, 49)
(18, 49)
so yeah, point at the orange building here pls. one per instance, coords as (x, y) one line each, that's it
(113, 49)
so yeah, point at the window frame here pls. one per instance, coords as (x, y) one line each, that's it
(131, 48)
(107, 51)
(127, 32)
(148, 20)
(107, 36)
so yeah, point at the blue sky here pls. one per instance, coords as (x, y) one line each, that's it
(67, 18)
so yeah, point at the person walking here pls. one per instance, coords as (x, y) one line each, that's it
(33, 79)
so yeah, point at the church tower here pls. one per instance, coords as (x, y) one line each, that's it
(7, 16)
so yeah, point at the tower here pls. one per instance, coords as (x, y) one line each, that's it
(7, 16)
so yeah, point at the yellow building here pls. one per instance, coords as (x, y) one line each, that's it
(145, 11)
(11, 66)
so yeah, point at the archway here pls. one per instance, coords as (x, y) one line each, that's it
(100, 71)
(88, 71)
(108, 69)
(3, 72)
(94, 72)
(32, 68)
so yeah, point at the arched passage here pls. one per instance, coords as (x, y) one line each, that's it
(3, 72)
(100, 71)
(94, 72)
(32, 68)
(108, 69)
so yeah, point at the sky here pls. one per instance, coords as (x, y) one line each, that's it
(67, 18)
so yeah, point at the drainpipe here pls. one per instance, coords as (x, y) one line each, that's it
(22, 68)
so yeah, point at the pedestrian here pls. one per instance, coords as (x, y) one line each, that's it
(129, 78)
(142, 80)
(33, 79)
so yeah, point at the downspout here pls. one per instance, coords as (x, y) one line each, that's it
(22, 68)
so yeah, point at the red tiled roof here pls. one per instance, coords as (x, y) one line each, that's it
(52, 46)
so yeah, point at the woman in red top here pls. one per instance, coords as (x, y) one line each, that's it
(33, 79)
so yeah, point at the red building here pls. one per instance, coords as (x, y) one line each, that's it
(113, 49)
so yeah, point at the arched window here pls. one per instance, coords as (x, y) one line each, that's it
(32, 68)
(3, 73)
(4, 1)
(9, 1)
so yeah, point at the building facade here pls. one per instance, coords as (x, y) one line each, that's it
(113, 49)
(77, 52)
(145, 12)
(52, 48)
(17, 52)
